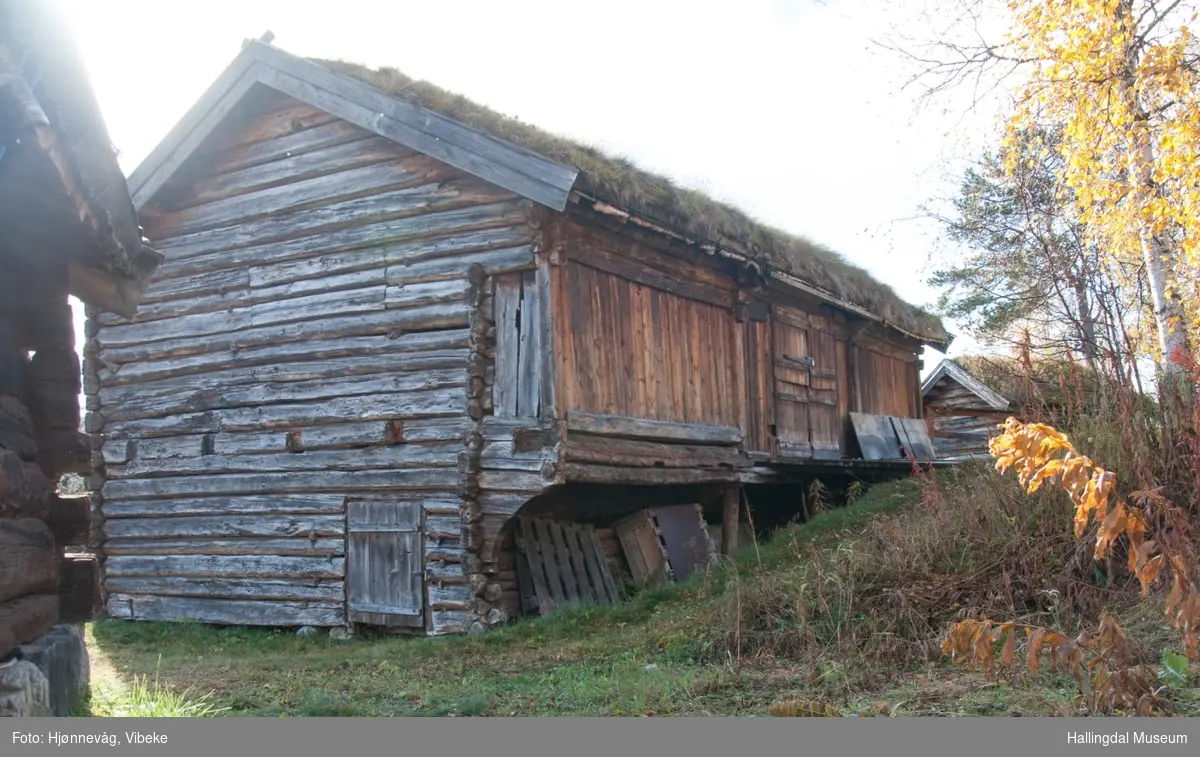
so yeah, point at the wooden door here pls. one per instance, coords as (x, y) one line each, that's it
(385, 574)
(792, 366)
(824, 418)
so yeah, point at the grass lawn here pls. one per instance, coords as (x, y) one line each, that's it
(652, 655)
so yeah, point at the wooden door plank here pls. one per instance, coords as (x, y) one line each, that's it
(587, 592)
(606, 575)
(507, 299)
(537, 571)
(554, 579)
(564, 558)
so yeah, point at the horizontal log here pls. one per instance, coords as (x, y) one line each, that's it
(26, 618)
(450, 621)
(79, 589)
(223, 611)
(282, 147)
(324, 547)
(421, 479)
(211, 526)
(396, 457)
(426, 293)
(24, 488)
(70, 520)
(273, 505)
(449, 597)
(331, 197)
(64, 451)
(300, 589)
(512, 480)
(271, 127)
(603, 474)
(323, 304)
(379, 258)
(198, 399)
(366, 150)
(28, 559)
(300, 361)
(226, 566)
(434, 317)
(616, 451)
(392, 216)
(400, 405)
(650, 430)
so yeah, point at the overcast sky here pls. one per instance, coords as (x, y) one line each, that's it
(783, 107)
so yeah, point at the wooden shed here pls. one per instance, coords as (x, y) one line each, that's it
(67, 227)
(390, 318)
(961, 412)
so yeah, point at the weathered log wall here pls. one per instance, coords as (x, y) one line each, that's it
(40, 583)
(311, 338)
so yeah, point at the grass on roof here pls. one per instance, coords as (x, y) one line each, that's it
(618, 181)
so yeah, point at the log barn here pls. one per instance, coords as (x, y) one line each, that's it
(962, 412)
(67, 227)
(389, 320)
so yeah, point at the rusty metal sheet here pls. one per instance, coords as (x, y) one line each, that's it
(682, 529)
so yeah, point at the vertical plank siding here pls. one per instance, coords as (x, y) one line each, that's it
(306, 343)
(641, 352)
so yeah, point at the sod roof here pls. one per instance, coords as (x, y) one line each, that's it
(617, 181)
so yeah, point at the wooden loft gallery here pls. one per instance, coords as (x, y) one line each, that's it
(389, 319)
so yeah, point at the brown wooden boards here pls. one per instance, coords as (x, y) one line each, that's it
(664, 544)
(561, 564)
(644, 550)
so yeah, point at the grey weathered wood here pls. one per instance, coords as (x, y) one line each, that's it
(425, 318)
(306, 194)
(302, 589)
(529, 370)
(307, 504)
(305, 547)
(362, 223)
(916, 437)
(211, 526)
(876, 437)
(425, 293)
(225, 611)
(299, 361)
(550, 562)
(395, 457)
(419, 404)
(453, 242)
(227, 566)
(276, 311)
(507, 300)
(343, 156)
(385, 559)
(280, 147)
(248, 395)
(281, 483)
(637, 428)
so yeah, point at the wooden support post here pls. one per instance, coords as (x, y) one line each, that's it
(731, 506)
